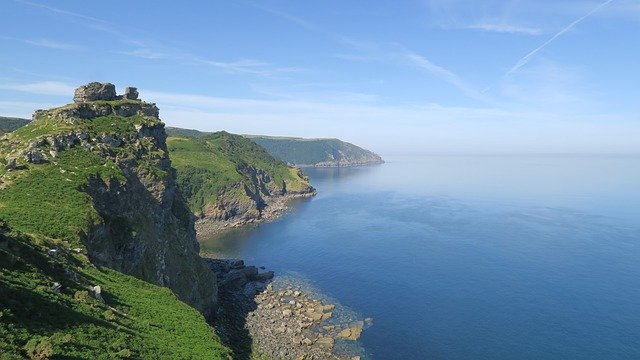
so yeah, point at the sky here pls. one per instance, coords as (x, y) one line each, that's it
(401, 77)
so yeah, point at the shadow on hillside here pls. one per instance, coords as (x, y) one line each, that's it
(38, 313)
(231, 320)
(235, 303)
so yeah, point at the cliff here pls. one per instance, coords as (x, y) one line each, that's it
(227, 177)
(303, 152)
(93, 181)
(316, 152)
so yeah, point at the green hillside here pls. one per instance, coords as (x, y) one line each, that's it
(8, 124)
(224, 175)
(81, 190)
(138, 320)
(301, 151)
(316, 152)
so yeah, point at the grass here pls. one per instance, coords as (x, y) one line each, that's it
(311, 151)
(48, 199)
(44, 206)
(218, 164)
(8, 124)
(139, 320)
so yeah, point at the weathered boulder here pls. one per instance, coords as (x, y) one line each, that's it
(131, 93)
(95, 91)
(96, 292)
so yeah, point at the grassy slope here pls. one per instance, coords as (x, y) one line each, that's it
(46, 205)
(8, 124)
(299, 151)
(214, 162)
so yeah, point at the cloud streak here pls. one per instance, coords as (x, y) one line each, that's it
(524, 60)
(505, 28)
(446, 75)
(50, 44)
(41, 88)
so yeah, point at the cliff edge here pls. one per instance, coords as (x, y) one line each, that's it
(97, 173)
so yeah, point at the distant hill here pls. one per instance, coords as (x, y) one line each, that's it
(303, 152)
(316, 152)
(9, 124)
(229, 177)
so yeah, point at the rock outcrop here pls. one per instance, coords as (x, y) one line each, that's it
(95, 91)
(144, 226)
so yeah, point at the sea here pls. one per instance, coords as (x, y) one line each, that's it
(467, 257)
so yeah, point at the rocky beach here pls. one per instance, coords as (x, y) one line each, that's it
(276, 318)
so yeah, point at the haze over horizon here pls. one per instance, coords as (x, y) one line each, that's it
(464, 77)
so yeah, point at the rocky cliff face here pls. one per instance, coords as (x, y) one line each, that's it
(143, 226)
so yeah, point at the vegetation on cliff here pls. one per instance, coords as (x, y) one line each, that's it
(9, 124)
(88, 198)
(316, 152)
(301, 151)
(225, 176)
(136, 320)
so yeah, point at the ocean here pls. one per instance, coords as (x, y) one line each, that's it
(460, 257)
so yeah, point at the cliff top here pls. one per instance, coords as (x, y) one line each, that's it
(95, 91)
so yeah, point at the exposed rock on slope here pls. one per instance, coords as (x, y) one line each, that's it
(229, 179)
(107, 156)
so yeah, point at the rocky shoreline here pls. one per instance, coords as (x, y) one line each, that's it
(275, 207)
(260, 318)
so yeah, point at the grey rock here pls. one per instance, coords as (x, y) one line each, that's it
(56, 287)
(11, 164)
(95, 91)
(131, 93)
(96, 292)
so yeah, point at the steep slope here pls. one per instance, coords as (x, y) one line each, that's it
(228, 177)
(9, 124)
(316, 152)
(95, 176)
(129, 319)
(301, 151)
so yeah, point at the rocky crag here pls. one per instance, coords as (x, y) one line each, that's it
(133, 218)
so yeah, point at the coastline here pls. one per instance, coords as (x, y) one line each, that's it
(269, 316)
(265, 317)
(332, 164)
(275, 207)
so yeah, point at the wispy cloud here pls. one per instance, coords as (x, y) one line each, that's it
(42, 88)
(524, 60)
(444, 74)
(292, 18)
(240, 66)
(249, 66)
(427, 127)
(51, 44)
(505, 28)
(86, 20)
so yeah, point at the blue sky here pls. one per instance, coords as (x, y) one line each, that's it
(449, 76)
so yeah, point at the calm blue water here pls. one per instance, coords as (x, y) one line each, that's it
(471, 258)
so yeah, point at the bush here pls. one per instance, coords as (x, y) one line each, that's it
(39, 348)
